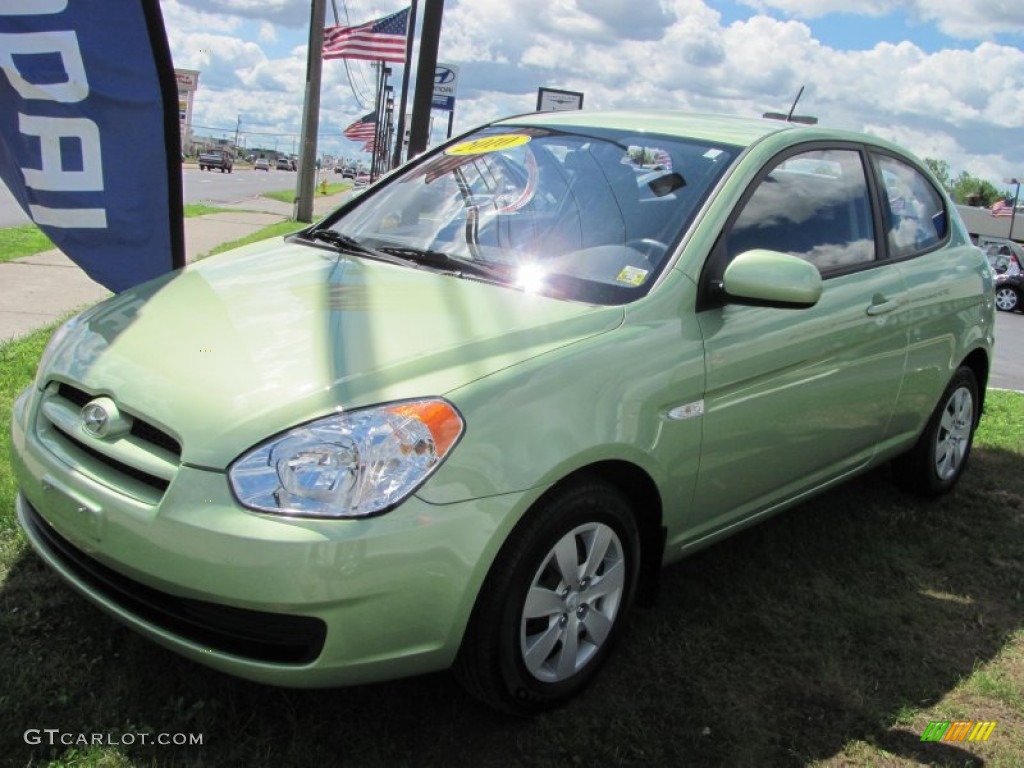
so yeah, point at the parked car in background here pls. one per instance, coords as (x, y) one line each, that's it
(261, 164)
(284, 164)
(1006, 259)
(465, 419)
(216, 159)
(1009, 289)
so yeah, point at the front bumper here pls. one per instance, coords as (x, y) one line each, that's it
(284, 601)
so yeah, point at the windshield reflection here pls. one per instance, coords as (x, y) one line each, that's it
(589, 217)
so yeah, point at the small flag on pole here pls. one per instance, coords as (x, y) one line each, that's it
(363, 128)
(1001, 208)
(380, 40)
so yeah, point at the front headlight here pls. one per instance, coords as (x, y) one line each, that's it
(348, 465)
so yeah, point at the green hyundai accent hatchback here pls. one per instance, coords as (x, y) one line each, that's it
(462, 421)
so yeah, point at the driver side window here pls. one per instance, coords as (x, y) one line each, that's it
(814, 205)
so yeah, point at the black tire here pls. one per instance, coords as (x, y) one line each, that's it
(575, 625)
(934, 465)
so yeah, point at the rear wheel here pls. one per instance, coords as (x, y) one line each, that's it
(554, 602)
(935, 464)
(1007, 299)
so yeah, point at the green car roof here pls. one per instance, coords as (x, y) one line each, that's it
(739, 131)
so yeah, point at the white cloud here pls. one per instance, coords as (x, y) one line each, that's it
(967, 19)
(963, 101)
(268, 32)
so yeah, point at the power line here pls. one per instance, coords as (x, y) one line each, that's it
(356, 93)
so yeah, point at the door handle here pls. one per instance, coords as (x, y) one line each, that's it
(882, 306)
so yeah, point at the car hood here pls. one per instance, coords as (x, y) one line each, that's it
(240, 347)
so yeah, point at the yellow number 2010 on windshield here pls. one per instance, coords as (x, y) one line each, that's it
(488, 144)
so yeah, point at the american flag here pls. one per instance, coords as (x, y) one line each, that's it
(380, 40)
(363, 128)
(1001, 208)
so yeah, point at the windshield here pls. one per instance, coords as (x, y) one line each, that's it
(583, 216)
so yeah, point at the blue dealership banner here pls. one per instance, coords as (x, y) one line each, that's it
(89, 138)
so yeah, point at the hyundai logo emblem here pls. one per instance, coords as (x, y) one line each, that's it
(101, 418)
(443, 75)
(94, 419)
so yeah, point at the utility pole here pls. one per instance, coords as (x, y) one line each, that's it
(305, 183)
(237, 126)
(400, 132)
(419, 133)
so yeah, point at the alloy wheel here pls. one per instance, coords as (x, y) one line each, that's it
(954, 434)
(572, 602)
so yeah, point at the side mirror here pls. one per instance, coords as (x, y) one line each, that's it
(772, 279)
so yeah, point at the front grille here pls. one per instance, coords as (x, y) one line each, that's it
(152, 481)
(256, 635)
(141, 429)
(140, 464)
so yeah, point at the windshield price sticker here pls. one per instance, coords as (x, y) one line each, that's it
(488, 144)
(632, 276)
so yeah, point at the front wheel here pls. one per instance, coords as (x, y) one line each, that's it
(934, 465)
(554, 602)
(1007, 298)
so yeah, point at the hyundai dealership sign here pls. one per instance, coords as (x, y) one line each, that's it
(446, 77)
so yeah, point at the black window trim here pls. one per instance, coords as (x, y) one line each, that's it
(874, 152)
(709, 294)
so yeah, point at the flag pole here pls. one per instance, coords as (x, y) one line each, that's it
(400, 132)
(305, 183)
(419, 131)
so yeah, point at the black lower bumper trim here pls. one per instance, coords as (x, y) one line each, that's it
(256, 635)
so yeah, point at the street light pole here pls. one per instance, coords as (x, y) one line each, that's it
(1016, 197)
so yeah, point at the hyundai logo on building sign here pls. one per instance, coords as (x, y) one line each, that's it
(446, 77)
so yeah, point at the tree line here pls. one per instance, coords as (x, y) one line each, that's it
(966, 189)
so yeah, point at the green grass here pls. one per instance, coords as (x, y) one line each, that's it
(274, 230)
(191, 210)
(288, 195)
(18, 360)
(26, 240)
(828, 636)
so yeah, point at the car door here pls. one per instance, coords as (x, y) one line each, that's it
(943, 291)
(795, 398)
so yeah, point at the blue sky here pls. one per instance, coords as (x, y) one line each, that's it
(943, 77)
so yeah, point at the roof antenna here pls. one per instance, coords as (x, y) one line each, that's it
(791, 118)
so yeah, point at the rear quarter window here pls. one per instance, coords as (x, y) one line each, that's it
(915, 211)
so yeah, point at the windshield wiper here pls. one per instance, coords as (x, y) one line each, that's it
(449, 263)
(351, 245)
(422, 258)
